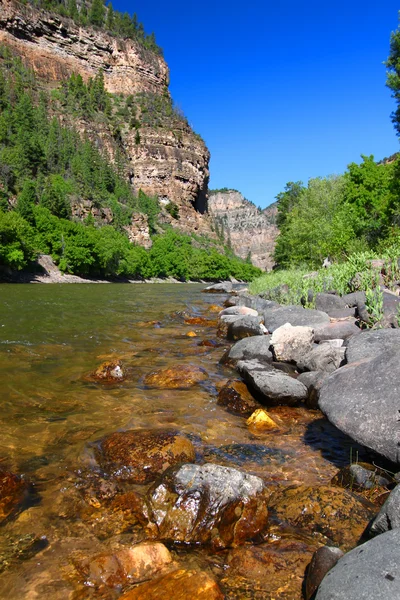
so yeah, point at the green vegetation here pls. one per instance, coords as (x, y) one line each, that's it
(46, 167)
(96, 14)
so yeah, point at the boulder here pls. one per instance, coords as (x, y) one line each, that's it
(371, 343)
(369, 572)
(329, 302)
(389, 515)
(259, 304)
(332, 511)
(235, 396)
(181, 376)
(256, 347)
(291, 343)
(324, 358)
(295, 315)
(362, 400)
(109, 372)
(246, 326)
(180, 585)
(391, 306)
(239, 310)
(208, 504)
(128, 565)
(322, 561)
(337, 329)
(139, 455)
(274, 386)
(343, 313)
(313, 381)
(13, 492)
(354, 298)
(219, 288)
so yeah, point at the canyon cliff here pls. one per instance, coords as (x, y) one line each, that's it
(166, 159)
(250, 231)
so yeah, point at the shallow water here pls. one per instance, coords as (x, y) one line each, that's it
(51, 338)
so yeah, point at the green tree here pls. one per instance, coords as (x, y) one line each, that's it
(27, 199)
(97, 13)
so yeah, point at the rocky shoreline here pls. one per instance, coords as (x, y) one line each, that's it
(284, 542)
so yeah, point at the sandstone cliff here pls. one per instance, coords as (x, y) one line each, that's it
(170, 161)
(250, 231)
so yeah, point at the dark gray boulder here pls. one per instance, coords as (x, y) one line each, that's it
(323, 357)
(219, 288)
(322, 561)
(391, 306)
(371, 343)
(353, 298)
(369, 572)
(295, 315)
(362, 400)
(343, 313)
(337, 329)
(329, 302)
(246, 326)
(313, 381)
(259, 304)
(249, 348)
(274, 386)
(389, 515)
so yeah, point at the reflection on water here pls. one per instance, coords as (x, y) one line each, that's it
(51, 337)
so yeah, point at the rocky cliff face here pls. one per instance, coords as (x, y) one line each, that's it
(251, 232)
(169, 163)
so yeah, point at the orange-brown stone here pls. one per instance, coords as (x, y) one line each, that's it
(13, 490)
(237, 399)
(109, 372)
(181, 376)
(179, 585)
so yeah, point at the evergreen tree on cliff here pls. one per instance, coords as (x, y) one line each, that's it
(97, 13)
(393, 77)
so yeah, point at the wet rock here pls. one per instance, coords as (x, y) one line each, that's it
(13, 492)
(372, 343)
(246, 326)
(140, 455)
(329, 302)
(235, 396)
(295, 315)
(200, 321)
(369, 572)
(219, 288)
(389, 515)
(334, 512)
(362, 476)
(109, 372)
(322, 561)
(337, 329)
(261, 421)
(191, 334)
(273, 386)
(313, 381)
(180, 585)
(239, 310)
(134, 565)
(362, 400)
(242, 455)
(324, 357)
(20, 548)
(214, 308)
(208, 504)
(181, 376)
(249, 348)
(271, 570)
(291, 343)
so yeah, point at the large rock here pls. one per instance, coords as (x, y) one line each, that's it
(389, 515)
(334, 512)
(207, 504)
(291, 343)
(274, 386)
(371, 343)
(181, 376)
(329, 302)
(362, 400)
(313, 381)
(323, 560)
(219, 288)
(324, 358)
(235, 396)
(295, 315)
(391, 306)
(139, 455)
(13, 491)
(256, 347)
(369, 572)
(109, 372)
(238, 310)
(336, 330)
(246, 326)
(180, 585)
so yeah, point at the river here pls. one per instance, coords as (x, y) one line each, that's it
(51, 414)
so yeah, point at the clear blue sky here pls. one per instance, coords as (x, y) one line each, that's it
(280, 91)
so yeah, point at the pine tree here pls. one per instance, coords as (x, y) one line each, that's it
(97, 13)
(110, 17)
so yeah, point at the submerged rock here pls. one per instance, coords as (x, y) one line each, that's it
(13, 492)
(261, 421)
(181, 585)
(181, 376)
(139, 455)
(208, 504)
(235, 396)
(109, 372)
(334, 512)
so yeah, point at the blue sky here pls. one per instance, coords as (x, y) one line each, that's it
(280, 91)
